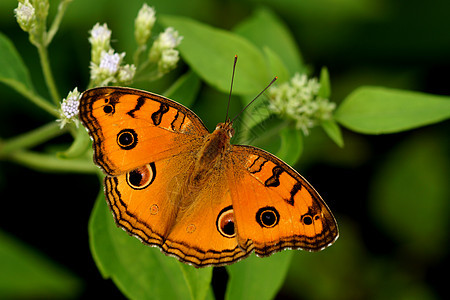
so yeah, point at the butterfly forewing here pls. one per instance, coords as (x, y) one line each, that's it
(130, 127)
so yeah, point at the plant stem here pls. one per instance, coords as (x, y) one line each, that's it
(30, 139)
(50, 163)
(48, 76)
(57, 21)
(39, 101)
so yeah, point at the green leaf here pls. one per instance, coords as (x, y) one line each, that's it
(13, 71)
(276, 65)
(26, 274)
(410, 193)
(333, 131)
(258, 278)
(325, 86)
(210, 52)
(185, 89)
(377, 110)
(291, 145)
(265, 29)
(140, 271)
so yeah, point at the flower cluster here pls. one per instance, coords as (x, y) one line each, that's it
(163, 50)
(25, 15)
(298, 100)
(69, 108)
(106, 64)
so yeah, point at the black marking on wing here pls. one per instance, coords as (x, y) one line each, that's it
(295, 189)
(260, 166)
(274, 180)
(157, 115)
(140, 103)
(175, 124)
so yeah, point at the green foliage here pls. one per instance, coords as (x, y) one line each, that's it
(376, 110)
(12, 69)
(416, 169)
(141, 272)
(407, 198)
(28, 274)
(209, 51)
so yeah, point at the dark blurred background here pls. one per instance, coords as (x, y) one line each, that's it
(389, 193)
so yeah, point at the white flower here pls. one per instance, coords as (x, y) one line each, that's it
(69, 108)
(100, 34)
(25, 15)
(109, 70)
(298, 100)
(126, 73)
(110, 62)
(169, 39)
(144, 23)
(100, 41)
(168, 61)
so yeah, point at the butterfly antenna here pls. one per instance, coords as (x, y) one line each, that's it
(231, 87)
(257, 96)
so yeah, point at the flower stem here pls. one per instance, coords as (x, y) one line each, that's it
(48, 76)
(33, 97)
(30, 139)
(51, 163)
(57, 21)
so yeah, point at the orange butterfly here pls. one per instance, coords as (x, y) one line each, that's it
(174, 185)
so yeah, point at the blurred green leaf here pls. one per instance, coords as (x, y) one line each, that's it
(265, 29)
(410, 193)
(388, 279)
(291, 146)
(210, 52)
(330, 11)
(25, 274)
(185, 89)
(258, 278)
(333, 131)
(276, 65)
(377, 110)
(325, 86)
(141, 272)
(266, 134)
(322, 275)
(13, 71)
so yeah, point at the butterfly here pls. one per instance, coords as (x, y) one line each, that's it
(173, 184)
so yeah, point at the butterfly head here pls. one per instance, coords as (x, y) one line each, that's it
(226, 127)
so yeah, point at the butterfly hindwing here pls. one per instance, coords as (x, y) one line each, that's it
(276, 207)
(153, 204)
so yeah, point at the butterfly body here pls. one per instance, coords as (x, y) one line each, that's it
(192, 193)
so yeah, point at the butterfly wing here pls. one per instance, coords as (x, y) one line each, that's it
(275, 207)
(129, 127)
(147, 145)
(151, 204)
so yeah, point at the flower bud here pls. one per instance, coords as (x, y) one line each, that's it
(25, 15)
(143, 24)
